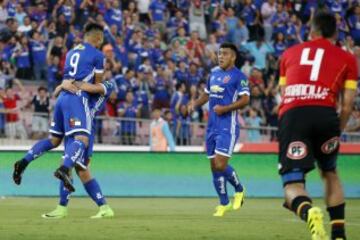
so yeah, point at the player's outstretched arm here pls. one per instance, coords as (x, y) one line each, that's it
(346, 107)
(242, 102)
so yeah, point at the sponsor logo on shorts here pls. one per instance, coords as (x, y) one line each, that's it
(74, 122)
(296, 150)
(330, 145)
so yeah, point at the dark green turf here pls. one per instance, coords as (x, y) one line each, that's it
(159, 218)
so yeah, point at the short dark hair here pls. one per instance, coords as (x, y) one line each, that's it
(42, 88)
(93, 27)
(178, 85)
(325, 24)
(230, 46)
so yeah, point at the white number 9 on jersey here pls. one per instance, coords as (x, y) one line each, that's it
(74, 60)
(316, 63)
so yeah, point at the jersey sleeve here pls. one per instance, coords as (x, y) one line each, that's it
(351, 74)
(99, 63)
(243, 86)
(108, 88)
(282, 79)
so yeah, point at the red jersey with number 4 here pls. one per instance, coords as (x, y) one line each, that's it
(313, 73)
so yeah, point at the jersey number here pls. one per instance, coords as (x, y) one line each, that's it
(74, 60)
(315, 63)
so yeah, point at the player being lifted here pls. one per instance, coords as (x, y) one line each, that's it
(100, 93)
(227, 91)
(312, 75)
(72, 116)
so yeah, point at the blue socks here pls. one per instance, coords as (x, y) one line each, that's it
(74, 152)
(64, 195)
(93, 189)
(219, 180)
(38, 149)
(233, 179)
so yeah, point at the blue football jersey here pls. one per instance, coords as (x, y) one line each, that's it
(224, 88)
(82, 62)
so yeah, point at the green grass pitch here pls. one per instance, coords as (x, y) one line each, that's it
(159, 218)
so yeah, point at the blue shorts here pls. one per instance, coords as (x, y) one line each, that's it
(221, 143)
(71, 115)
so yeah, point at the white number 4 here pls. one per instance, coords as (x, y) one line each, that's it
(316, 63)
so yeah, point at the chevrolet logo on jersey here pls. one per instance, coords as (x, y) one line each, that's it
(216, 89)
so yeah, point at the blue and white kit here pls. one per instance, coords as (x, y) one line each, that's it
(224, 88)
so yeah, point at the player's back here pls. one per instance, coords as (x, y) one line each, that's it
(82, 62)
(313, 74)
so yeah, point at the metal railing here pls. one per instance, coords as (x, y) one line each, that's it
(111, 130)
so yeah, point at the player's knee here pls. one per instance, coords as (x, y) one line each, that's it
(55, 141)
(83, 138)
(219, 166)
(329, 175)
(84, 175)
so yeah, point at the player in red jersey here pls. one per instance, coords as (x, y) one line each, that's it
(312, 76)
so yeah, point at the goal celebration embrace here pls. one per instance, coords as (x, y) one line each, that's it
(189, 119)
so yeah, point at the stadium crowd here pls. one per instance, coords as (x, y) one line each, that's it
(158, 54)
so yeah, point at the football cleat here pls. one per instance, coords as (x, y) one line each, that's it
(59, 212)
(104, 212)
(316, 224)
(19, 168)
(238, 200)
(62, 174)
(221, 209)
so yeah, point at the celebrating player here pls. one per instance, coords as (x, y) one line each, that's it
(72, 114)
(227, 91)
(312, 76)
(101, 92)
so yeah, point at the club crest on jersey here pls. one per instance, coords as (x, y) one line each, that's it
(296, 150)
(330, 145)
(226, 79)
(74, 122)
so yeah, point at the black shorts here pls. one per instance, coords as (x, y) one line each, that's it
(307, 135)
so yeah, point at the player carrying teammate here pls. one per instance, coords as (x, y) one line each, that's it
(100, 93)
(312, 75)
(227, 91)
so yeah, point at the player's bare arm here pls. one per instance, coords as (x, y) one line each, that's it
(97, 88)
(242, 102)
(346, 107)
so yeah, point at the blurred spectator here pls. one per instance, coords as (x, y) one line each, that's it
(259, 50)
(160, 85)
(2, 113)
(38, 54)
(268, 11)
(21, 56)
(197, 18)
(253, 122)
(353, 125)
(129, 110)
(161, 139)
(41, 107)
(157, 16)
(241, 34)
(143, 7)
(53, 73)
(14, 126)
(183, 126)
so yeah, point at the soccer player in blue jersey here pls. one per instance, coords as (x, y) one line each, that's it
(227, 91)
(97, 102)
(84, 63)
